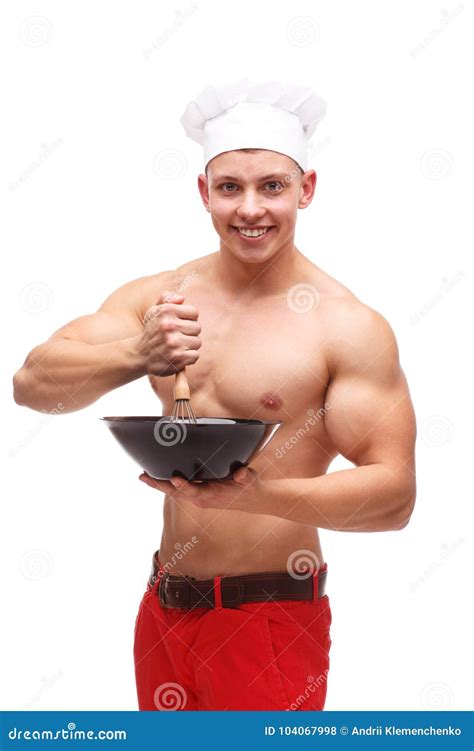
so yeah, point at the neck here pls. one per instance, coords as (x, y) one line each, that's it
(266, 279)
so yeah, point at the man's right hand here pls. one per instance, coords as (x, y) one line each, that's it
(170, 337)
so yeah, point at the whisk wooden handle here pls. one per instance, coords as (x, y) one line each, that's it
(181, 386)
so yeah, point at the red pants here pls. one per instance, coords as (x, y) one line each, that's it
(259, 656)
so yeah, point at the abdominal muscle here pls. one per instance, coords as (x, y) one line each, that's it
(204, 543)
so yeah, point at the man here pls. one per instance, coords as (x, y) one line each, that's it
(236, 615)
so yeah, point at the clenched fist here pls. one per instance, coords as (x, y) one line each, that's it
(170, 339)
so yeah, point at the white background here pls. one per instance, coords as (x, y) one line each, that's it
(99, 186)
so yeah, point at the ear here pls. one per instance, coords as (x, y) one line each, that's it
(203, 187)
(307, 188)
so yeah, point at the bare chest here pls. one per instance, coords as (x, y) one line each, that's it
(264, 363)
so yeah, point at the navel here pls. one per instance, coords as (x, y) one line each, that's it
(271, 400)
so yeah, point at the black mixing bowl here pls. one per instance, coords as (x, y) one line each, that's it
(211, 449)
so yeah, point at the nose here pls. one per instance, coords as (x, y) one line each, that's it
(249, 209)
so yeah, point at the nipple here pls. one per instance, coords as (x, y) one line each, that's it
(271, 400)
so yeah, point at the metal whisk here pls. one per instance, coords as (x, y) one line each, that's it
(182, 406)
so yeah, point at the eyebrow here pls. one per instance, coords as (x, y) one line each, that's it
(277, 175)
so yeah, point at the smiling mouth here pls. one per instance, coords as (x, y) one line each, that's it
(253, 233)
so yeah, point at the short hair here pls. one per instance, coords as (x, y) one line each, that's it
(257, 151)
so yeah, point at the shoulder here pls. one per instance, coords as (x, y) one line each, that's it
(360, 340)
(139, 294)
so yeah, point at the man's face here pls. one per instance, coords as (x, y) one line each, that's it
(259, 193)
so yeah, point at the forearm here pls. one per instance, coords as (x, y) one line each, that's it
(68, 375)
(368, 498)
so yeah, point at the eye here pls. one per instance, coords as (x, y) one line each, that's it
(279, 186)
(228, 191)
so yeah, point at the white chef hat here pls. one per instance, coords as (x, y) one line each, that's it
(260, 115)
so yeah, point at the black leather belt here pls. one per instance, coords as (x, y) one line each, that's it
(187, 592)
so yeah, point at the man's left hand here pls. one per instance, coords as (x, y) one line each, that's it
(239, 493)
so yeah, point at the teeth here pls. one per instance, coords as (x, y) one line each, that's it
(252, 232)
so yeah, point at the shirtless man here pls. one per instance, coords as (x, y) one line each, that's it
(264, 333)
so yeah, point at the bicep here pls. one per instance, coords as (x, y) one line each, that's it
(98, 328)
(370, 417)
(117, 318)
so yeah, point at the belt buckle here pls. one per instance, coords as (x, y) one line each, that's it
(183, 593)
(161, 588)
